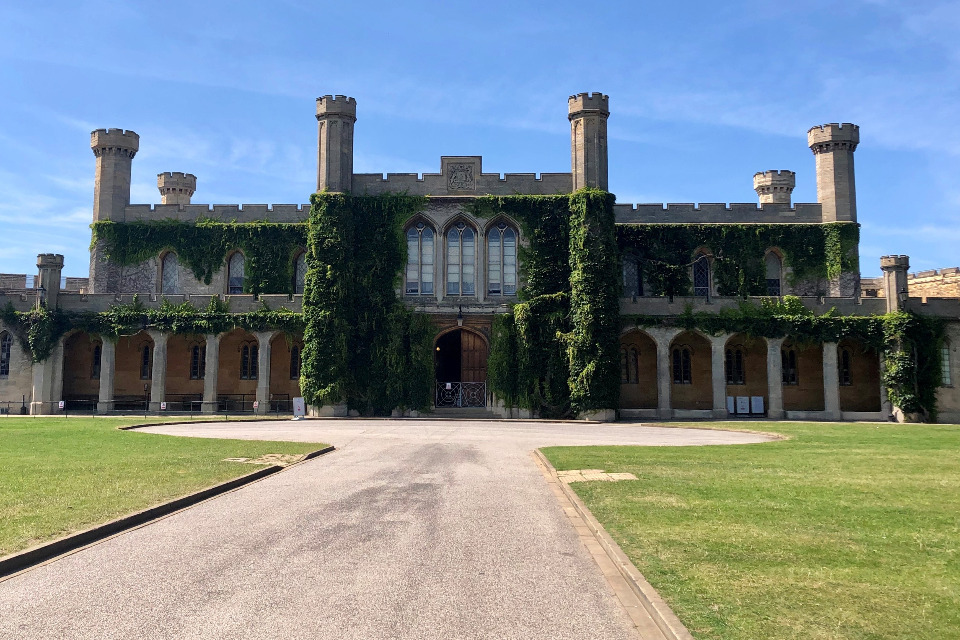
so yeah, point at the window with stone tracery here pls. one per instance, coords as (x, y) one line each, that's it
(97, 356)
(682, 369)
(502, 261)
(461, 261)
(300, 273)
(198, 362)
(295, 362)
(145, 362)
(773, 267)
(248, 362)
(419, 260)
(734, 366)
(945, 378)
(170, 274)
(235, 273)
(701, 276)
(6, 346)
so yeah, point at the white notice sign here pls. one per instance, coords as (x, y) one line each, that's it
(256, 404)
(299, 407)
(62, 404)
(743, 404)
(163, 406)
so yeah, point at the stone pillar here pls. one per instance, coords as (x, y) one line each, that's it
(48, 382)
(263, 371)
(662, 338)
(718, 375)
(211, 371)
(774, 378)
(831, 382)
(895, 288)
(108, 366)
(50, 266)
(158, 383)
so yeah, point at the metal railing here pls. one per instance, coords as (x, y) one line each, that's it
(461, 394)
(176, 404)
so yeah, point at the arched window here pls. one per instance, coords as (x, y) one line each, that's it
(682, 373)
(788, 366)
(198, 361)
(846, 379)
(734, 366)
(419, 260)
(632, 277)
(701, 276)
(300, 272)
(773, 266)
(145, 369)
(248, 362)
(6, 344)
(502, 261)
(945, 379)
(170, 274)
(461, 261)
(97, 356)
(295, 363)
(629, 365)
(235, 276)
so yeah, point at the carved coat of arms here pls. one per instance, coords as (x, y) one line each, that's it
(460, 177)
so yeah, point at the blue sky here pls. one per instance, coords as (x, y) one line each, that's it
(703, 95)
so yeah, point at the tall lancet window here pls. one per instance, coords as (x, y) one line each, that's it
(6, 344)
(701, 276)
(772, 263)
(170, 274)
(461, 261)
(235, 275)
(419, 260)
(502, 261)
(300, 273)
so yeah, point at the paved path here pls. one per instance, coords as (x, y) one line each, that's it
(412, 529)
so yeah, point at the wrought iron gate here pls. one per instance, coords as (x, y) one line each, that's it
(461, 394)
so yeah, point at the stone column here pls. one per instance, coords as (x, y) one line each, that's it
(108, 365)
(158, 378)
(831, 382)
(263, 371)
(774, 378)
(662, 338)
(211, 371)
(719, 375)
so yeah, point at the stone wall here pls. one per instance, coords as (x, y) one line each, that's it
(19, 382)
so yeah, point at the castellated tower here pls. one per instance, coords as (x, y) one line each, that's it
(588, 113)
(774, 187)
(176, 187)
(895, 289)
(833, 146)
(114, 149)
(335, 118)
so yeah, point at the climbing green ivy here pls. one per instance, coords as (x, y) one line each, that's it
(269, 248)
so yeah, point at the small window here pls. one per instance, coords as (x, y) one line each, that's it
(734, 366)
(846, 379)
(632, 277)
(461, 261)
(300, 273)
(502, 261)
(145, 361)
(629, 365)
(701, 276)
(235, 273)
(198, 362)
(170, 274)
(6, 345)
(248, 362)
(788, 366)
(945, 378)
(681, 366)
(772, 263)
(97, 355)
(295, 363)
(419, 260)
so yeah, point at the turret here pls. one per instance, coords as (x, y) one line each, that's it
(895, 280)
(176, 187)
(774, 186)
(833, 146)
(588, 113)
(49, 265)
(335, 118)
(114, 149)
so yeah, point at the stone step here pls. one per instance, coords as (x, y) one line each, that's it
(469, 413)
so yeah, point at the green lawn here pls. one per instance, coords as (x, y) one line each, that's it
(842, 531)
(60, 475)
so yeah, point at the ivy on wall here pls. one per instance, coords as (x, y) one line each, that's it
(813, 252)
(39, 330)
(361, 345)
(269, 248)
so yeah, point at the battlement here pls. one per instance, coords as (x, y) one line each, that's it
(834, 132)
(596, 101)
(336, 105)
(890, 263)
(718, 213)
(176, 187)
(950, 271)
(774, 186)
(288, 213)
(775, 176)
(50, 260)
(120, 138)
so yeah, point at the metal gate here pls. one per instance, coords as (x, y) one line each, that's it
(461, 394)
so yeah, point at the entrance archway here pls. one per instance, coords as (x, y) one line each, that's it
(460, 366)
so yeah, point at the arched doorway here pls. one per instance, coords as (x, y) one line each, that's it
(460, 366)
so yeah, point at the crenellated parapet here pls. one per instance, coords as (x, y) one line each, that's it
(774, 186)
(114, 142)
(830, 137)
(288, 213)
(718, 213)
(176, 187)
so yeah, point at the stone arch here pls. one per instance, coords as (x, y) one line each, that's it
(860, 382)
(691, 373)
(638, 370)
(186, 370)
(745, 368)
(801, 369)
(286, 357)
(238, 371)
(81, 370)
(130, 387)
(460, 356)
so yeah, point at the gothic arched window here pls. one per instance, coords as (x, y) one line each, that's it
(846, 379)
(945, 378)
(97, 356)
(461, 261)
(170, 274)
(632, 277)
(502, 261)
(300, 272)
(734, 366)
(419, 260)
(248, 362)
(295, 363)
(6, 345)
(788, 365)
(773, 266)
(629, 365)
(198, 362)
(682, 373)
(701, 276)
(235, 275)
(145, 369)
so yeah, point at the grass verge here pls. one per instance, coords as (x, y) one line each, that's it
(58, 475)
(841, 531)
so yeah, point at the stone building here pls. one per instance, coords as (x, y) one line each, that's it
(463, 270)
